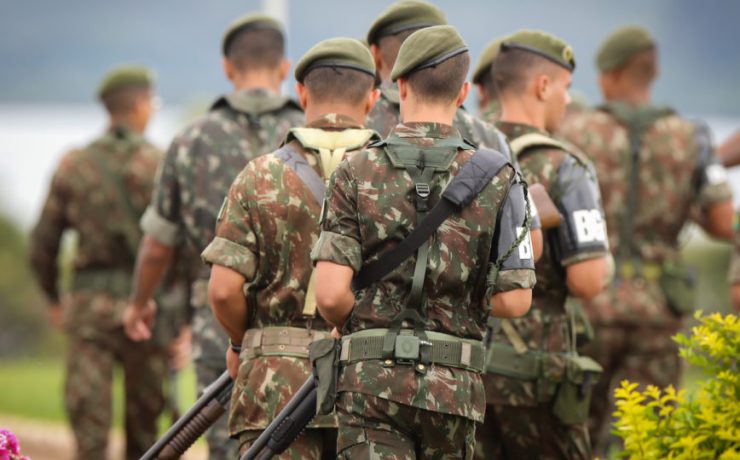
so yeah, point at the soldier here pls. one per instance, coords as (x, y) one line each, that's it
(195, 176)
(734, 276)
(654, 167)
(411, 356)
(489, 106)
(532, 376)
(263, 241)
(100, 191)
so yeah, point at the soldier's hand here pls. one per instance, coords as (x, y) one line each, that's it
(232, 362)
(55, 316)
(138, 321)
(180, 349)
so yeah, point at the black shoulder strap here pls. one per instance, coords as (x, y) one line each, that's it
(305, 172)
(473, 177)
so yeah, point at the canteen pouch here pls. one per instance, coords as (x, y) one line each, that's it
(574, 391)
(324, 356)
(678, 283)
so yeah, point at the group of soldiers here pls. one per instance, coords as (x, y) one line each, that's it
(377, 210)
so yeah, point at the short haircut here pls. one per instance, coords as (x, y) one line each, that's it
(339, 84)
(642, 68)
(256, 49)
(390, 44)
(121, 101)
(487, 84)
(513, 67)
(440, 83)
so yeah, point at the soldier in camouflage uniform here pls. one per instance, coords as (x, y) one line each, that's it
(100, 191)
(263, 241)
(489, 106)
(394, 402)
(385, 37)
(734, 275)
(195, 176)
(533, 365)
(654, 167)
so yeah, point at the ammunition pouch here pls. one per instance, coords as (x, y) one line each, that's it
(678, 283)
(324, 355)
(279, 341)
(116, 282)
(407, 348)
(573, 396)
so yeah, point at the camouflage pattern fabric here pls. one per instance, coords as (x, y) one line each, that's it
(386, 115)
(375, 428)
(193, 180)
(456, 292)
(491, 113)
(670, 169)
(83, 199)
(266, 230)
(517, 432)
(544, 328)
(87, 391)
(734, 274)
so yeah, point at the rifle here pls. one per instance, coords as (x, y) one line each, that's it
(288, 424)
(184, 432)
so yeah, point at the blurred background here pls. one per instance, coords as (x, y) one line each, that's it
(53, 54)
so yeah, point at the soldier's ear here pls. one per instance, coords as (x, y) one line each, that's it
(284, 68)
(372, 98)
(403, 88)
(302, 92)
(375, 51)
(464, 90)
(542, 86)
(228, 69)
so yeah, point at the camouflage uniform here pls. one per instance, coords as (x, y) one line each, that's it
(85, 197)
(396, 412)
(632, 319)
(265, 232)
(520, 421)
(195, 176)
(491, 113)
(734, 275)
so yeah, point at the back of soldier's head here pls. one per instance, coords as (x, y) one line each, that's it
(483, 75)
(123, 88)
(631, 53)
(337, 71)
(254, 42)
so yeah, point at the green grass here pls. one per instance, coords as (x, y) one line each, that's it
(33, 388)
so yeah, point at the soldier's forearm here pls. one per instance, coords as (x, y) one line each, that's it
(152, 262)
(227, 300)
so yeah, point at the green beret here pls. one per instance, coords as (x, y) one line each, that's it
(336, 52)
(405, 15)
(486, 59)
(621, 45)
(125, 76)
(427, 48)
(546, 45)
(250, 21)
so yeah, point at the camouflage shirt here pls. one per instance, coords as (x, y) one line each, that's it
(265, 231)
(491, 113)
(571, 183)
(86, 196)
(677, 170)
(195, 176)
(369, 210)
(734, 275)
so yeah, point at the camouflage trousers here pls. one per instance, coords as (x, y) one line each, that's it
(375, 428)
(523, 432)
(642, 354)
(312, 444)
(87, 392)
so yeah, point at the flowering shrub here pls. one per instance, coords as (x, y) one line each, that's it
(9, 447)
(666, 424)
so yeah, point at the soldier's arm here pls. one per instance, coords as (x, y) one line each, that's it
(511, 284)
(729, 151)
(582, 240)
(227, 300)
(334, 295)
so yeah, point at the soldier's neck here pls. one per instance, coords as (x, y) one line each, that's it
(268, 80)
(523, 114)
(315, 111)
(427, 113)
(634, 98)
(132, 124)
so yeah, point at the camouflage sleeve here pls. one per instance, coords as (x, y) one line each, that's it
(160, 221)
(339, 241)
(235, 244)
(734, 275)
(517, 270)
(46, 236)
(582, 235)
(710, 176)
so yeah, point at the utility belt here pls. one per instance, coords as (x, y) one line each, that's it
(280, 341)
(444, 349)
(114, 281)
(676, 280)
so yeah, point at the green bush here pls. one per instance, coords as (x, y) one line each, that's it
(666, 424)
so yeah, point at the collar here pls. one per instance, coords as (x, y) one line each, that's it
(419, 129)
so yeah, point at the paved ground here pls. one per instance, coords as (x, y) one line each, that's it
(51, 441)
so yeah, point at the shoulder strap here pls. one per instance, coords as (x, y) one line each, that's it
(305, 172)
(527, 141)
(473, 177)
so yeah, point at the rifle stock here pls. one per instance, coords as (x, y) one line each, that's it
(185, 431)
(549, 215)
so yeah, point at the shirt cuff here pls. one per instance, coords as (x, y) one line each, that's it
(713, 194)
(509, 280)
(339, 249)
(231, 255)
(164, 231)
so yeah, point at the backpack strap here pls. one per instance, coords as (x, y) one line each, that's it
(298, 164)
